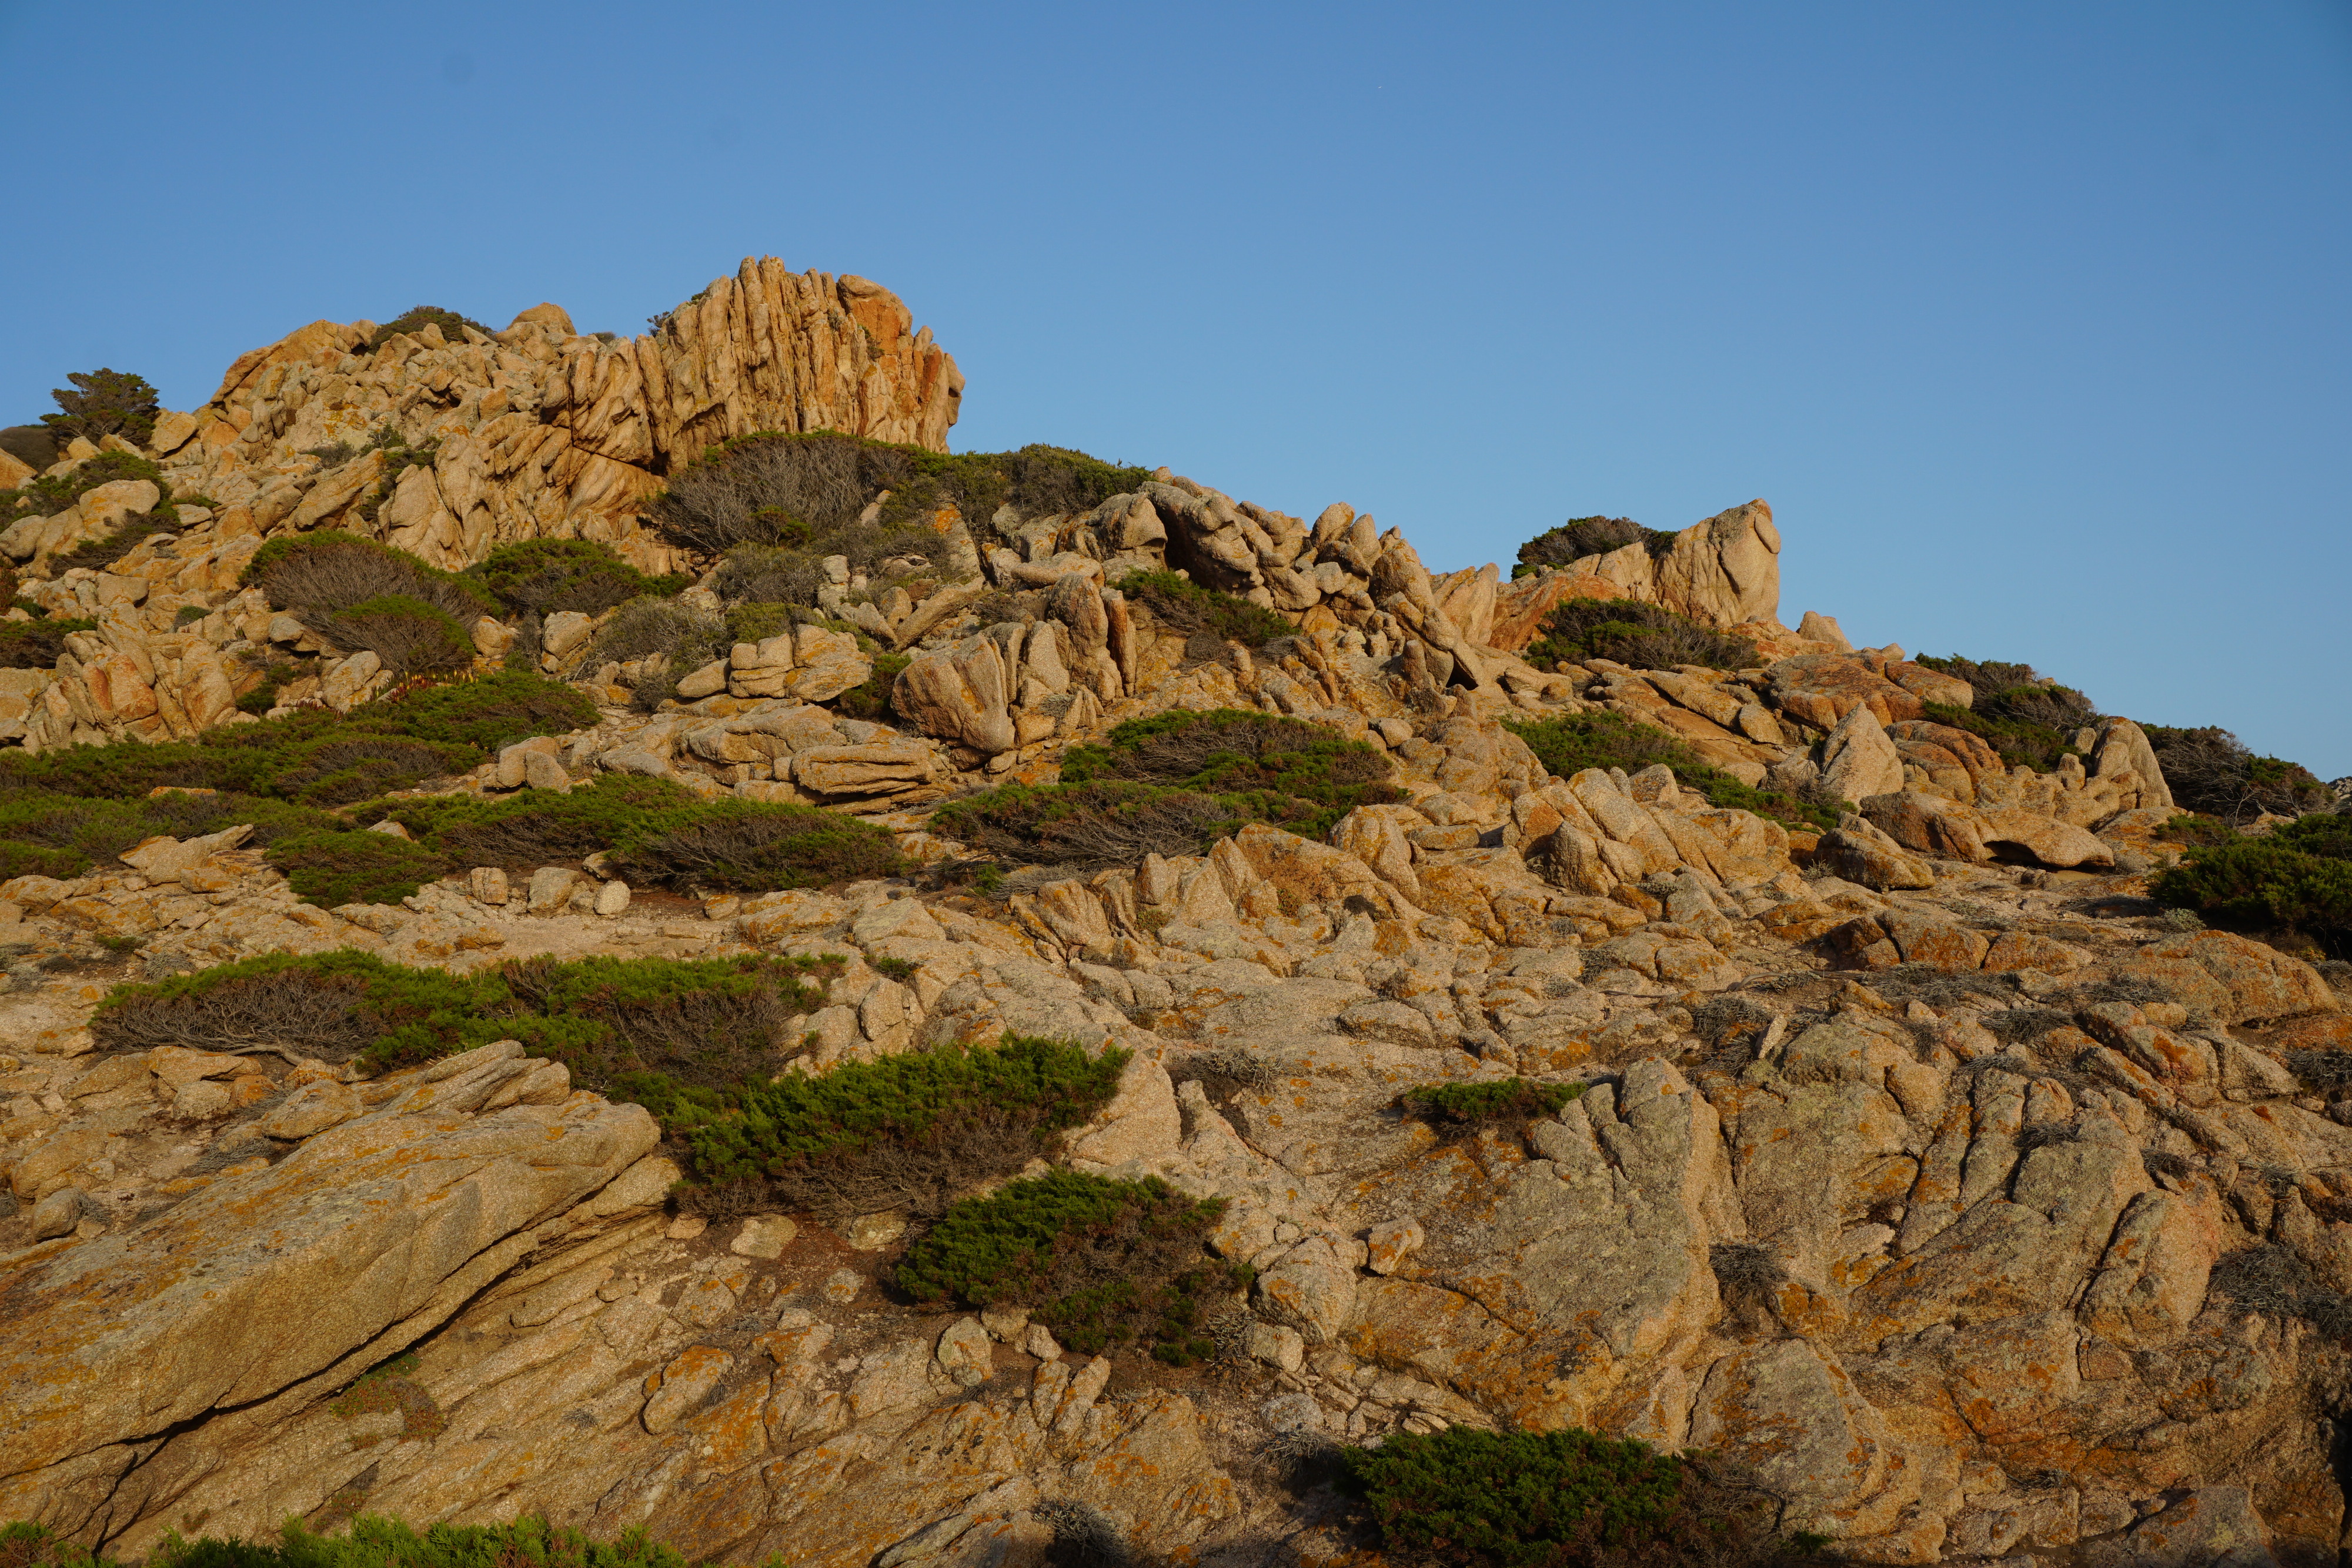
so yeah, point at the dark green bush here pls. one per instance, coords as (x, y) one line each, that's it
(804, 493)
(334, 868)
(2211, 771)
(2297, 878)
(907, 1131)
(2021, 742)
(1505, 1100)
(275, 676)
(104, 403)
(536, 827)
(540, 577)
(319, 757)
(870, 698)
(1570, 744)
(1182, 605)
(373, 1542)
(659, 834)
(412, 637)
(34, 445)
(1174, 784)
(1102, 1263)
(684, 638)
(1631, 632)
(1557, 1499)
(1088, 825)
(679, 1035)
(744, 846)
(1239, 751)
(2029, 719)
(63, 835)
(316, 574)
(417, 318)
(1581, 537)
(756, 620)
(35, 644)
(2201, 832)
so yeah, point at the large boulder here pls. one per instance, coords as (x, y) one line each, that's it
(1858, 760)
(378, 1229)
(960, 694)
(1726, 570)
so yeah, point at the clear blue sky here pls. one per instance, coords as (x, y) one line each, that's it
(2030, 319)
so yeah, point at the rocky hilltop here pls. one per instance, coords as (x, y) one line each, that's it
(1750, 1043)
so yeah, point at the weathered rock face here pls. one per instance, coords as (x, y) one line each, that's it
(1725, 571)
(542, 432)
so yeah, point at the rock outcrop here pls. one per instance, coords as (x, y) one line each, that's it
(1918, 1164)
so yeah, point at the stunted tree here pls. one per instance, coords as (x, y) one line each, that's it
(110, 403)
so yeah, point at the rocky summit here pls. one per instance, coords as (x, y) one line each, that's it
(606, 930)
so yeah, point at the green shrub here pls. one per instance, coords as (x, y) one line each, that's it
(685, 638)
(34, 445)
(1581, 537)
(2298, 878)
(1101, 1263)
(276, 674)
(679, 1036)
(318, 573)
(1174, 784)
(906, 1131)
(870, 698)
(1505, 1100)
(1182, 605)
(1088, 825)
(2211, 771)
(744, 846)
(540, 577)
(805, 492)
(756, 620)
(318, 757)
(1631, 632)
(1239, 751)
(35, 644)
(412, 637)
(484, 714)
(45, 834)
(658, 834)
(536, 827)
(787, 502)
(417, 318)
(1570, 744)
(373, 1542)
(2028, 719)
(1554, 1499)
(2195, 829)
(330, 869)
(104, 403)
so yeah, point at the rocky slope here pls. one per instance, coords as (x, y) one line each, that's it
(1923, 1165)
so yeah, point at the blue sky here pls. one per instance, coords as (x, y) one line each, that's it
(2029, 320)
